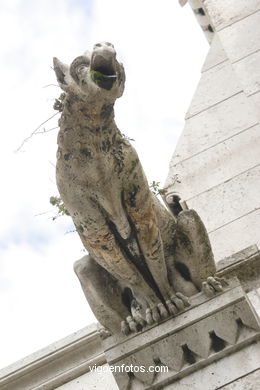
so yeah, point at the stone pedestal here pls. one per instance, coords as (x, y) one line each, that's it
(171, 353)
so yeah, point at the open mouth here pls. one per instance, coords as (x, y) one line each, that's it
(103, 71)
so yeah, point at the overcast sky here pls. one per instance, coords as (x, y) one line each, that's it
(163, 49)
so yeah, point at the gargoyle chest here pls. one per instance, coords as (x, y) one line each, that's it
(91, 163)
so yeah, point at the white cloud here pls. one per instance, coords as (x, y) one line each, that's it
(162, 49)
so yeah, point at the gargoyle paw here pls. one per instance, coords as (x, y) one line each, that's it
(156, 314)
(132, 324)
(177, 303)
(104, 333)
(213, 285)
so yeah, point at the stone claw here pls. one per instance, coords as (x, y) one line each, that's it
(221, 280)
(137, 314)
(213, 285)
(172, 308)
(149, 317)
(139, 320)
(130, 324)
(156, 314)
(133, 325)
(184, 299)
(177, 302)
(208, 289)
(162, 310)
(125, 329)
(104, 333)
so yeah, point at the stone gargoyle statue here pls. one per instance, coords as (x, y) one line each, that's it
(143, 262)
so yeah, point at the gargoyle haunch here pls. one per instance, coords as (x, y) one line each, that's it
(142, 262)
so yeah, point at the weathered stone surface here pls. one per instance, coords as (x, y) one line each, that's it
(228, 199)
(249, 382)
(216, 85)
(195, 4)
(238, 259)
(228, 369)
(215, 125)
(228, 239)
(209, 169)
(95, 380)
(248, 70)
(223, 13)
(205, 333)
(245, 265)
(242, 38)
(216, 54)
(254, 297)
(255, 99)
(196, 332)
(170, 352)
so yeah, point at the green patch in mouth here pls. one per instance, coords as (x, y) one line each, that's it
(103, 80)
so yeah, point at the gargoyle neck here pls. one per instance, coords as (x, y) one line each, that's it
(94, 112)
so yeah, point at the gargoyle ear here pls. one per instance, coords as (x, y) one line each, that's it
(62, 72)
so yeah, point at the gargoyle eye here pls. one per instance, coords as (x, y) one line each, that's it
(79, 66)
(109, 44)
(79, 69)
(98, 45)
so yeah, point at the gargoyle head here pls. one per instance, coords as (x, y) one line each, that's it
(96, 75)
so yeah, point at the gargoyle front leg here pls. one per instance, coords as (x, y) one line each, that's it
(108, 254)
(143, 216)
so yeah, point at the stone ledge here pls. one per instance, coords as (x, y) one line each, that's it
(245, 265)
(229, 373)
(57, 364)
(206, 332)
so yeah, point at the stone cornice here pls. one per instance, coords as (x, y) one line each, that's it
(245, 265)
(209, 330)
(56, 364)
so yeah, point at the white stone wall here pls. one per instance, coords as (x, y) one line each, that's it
(225, 374)
(217, 159)
(92, 381)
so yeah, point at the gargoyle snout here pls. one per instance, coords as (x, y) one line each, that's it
(103, 65)
(103, 54)
(104, 47)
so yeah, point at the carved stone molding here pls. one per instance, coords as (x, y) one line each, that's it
(245, 265)
(56, 364)
(208, 331)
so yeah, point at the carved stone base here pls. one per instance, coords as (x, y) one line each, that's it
(210, 330)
